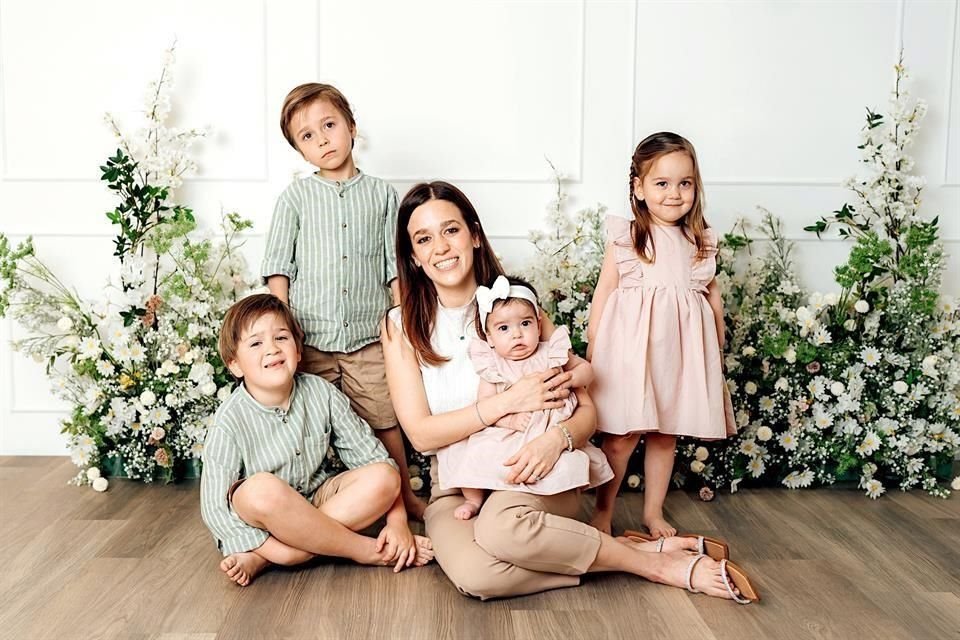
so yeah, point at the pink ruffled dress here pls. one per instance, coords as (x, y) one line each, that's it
(477, 462)
(656, 357)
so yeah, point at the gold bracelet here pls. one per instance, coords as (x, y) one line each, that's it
(476, 406)
(566, 434)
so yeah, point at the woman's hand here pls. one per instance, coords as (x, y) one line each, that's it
(545, 390)
(535, 459)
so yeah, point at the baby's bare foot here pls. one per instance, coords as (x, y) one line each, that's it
(466, 511)
(424, 551)
(659, 527)
(243, 567)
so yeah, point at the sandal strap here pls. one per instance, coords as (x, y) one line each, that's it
(690, 567)
(660, 542)
(701, 546)
(726, 583)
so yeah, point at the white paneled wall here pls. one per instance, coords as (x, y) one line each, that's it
(772, 93)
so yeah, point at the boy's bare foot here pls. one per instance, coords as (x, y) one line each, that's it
(602, 521)
(424, 551)
(658, 526)
(415, 506)
(669, 544)
(243, 567)
(466, 511)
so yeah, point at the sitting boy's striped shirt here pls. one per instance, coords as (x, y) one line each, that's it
(248, 437)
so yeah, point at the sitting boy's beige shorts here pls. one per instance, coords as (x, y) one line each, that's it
(329, 488)
(361, 375)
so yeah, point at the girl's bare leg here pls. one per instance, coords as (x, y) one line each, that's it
(657, 469)
(617, 449)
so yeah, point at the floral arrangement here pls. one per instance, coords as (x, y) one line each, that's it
(140, 368)
(859, 384)
(567, 263)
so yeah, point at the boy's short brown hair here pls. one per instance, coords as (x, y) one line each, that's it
(305, 95)
(244, 313)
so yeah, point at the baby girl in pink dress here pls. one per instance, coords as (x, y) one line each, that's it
(510, 319)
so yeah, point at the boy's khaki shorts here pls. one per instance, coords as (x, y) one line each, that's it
(329, 488)
(361, 375)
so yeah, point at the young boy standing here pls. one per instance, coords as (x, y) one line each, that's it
(264, 478)
(330, 254)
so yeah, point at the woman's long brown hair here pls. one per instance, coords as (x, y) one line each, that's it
(693, 224)
(418, 295)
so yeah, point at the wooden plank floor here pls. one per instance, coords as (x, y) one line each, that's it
(137, 562)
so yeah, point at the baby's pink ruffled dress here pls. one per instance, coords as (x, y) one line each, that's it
(656, 356)
(477, 462)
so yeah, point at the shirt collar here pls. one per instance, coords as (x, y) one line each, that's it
(256, 404)
(341, 184)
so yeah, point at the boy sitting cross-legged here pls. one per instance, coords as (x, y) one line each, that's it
(265, 492)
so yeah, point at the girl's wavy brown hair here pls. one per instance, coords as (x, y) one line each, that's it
(693, 224)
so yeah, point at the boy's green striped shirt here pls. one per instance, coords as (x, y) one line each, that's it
(336, 243)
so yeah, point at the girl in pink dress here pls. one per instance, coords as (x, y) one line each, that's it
(656, 328)
(509, 320)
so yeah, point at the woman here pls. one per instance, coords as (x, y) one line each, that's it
(520, 543)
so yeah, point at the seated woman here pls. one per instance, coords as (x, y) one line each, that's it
(520, 542)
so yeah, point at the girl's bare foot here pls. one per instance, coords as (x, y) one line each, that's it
(602, 520)
(424, 551)
(658, 526)
(669, 544)
(243, 567)
(466, 511)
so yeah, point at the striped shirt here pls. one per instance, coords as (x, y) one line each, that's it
(248, 437)
(335, 241)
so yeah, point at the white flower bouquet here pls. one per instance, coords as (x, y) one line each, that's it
(140, 368)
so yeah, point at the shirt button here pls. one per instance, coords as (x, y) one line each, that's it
(299, 487)
(297, 451)
(344, 292)
(344, 225)
(346, 324)
(344, 257)
(341, 194)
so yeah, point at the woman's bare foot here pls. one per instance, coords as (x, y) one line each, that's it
(424, 551)
(415, 506)
(658, 526)
(466, 511)
(243, 567)
(602, 520)
(674, 543)
(706, 577)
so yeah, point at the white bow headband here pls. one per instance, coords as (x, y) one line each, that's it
(501, 290)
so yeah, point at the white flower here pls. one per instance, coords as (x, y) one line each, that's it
(147, 398)
(105, 368)
(416, 483)
(89, 348)
(65, 324)
(821, 336)
(633, 481)
(870, 356)
(756, 467)
(788, 441)
(137, 353)
(157, 415)
(869, 444)
(223, 393)
(100, 484)
(781, 384)
(900, 387)
(93, 473)
(750, 387)
(697, 467)
(748, 448)
(874, 488)
(748, 351)
(929, 366)
(790, 355)
(795, 480)
(955, 484)
(701, 454)
(743, 418)
(849, 324)
(208, 388)
(766, 404)
(862, 306)
(167, 367)
(764, 433)
(837, 388)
